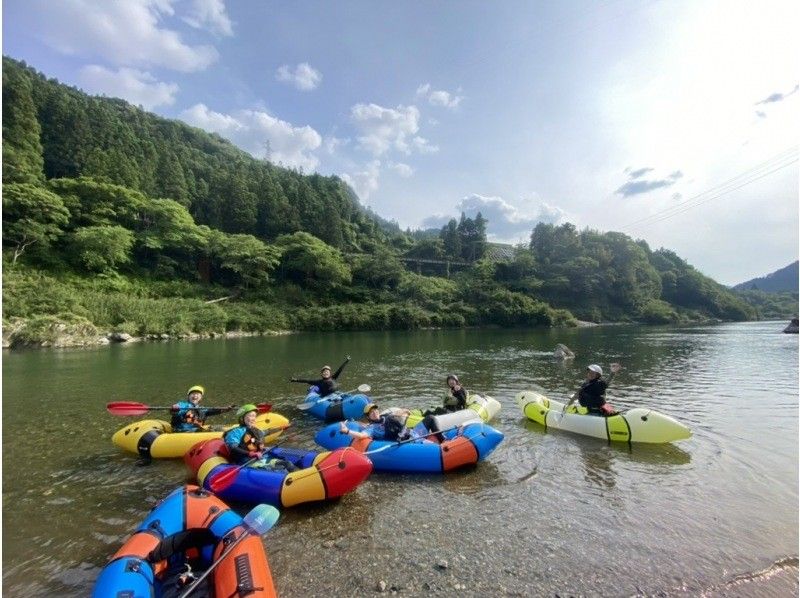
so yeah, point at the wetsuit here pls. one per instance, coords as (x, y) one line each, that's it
(592, 395)
(456, 400)
(187, 417)
(326, 386)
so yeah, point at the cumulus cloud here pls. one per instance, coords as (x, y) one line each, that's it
(506, 221)
(304, 77)
(135, 86)
(364, 182)
(404, 170)
(209, 15)
(333, 143)
(439, 97)
(253, 130)
(123, 33)
(636, 185)
(383, 129)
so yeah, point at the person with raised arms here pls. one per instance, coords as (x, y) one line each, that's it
(188, 416)
(326, 385)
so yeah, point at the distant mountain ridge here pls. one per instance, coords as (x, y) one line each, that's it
(785, 279)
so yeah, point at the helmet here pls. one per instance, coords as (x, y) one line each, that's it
(196, 388)
(325, 367)
(452, 377)
(596, 369)
(369, 407)
(244, 410)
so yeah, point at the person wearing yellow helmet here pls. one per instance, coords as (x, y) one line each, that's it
(327, 384)
(188, 416)
(246, 442)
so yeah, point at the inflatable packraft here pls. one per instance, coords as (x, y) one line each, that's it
(182, 537)
(321, 476)
(633, 425)
(337, 407)
(154, 438)
(465, 445)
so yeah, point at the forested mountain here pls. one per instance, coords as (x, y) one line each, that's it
(786, 279)
(117, 220)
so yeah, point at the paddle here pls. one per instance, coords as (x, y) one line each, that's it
(133, 408)
(305, 406)
(227, 477)
(258, 521)
(406, 441)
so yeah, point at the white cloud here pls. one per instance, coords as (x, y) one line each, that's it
(210, 15)
(333, 143)
(124, 33)
(506, 222)
(383, 129)
(423, 147)
(404, 170)
(304, 77)
(439, 97)
(252, 129)
(364, 182)
(137, 87)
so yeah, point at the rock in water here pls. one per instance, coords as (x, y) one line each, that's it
(563, 352)
(792, 328)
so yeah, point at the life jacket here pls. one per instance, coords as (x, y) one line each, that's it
(187, 415)
(251, 439)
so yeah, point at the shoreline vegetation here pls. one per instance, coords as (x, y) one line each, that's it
(119, 224)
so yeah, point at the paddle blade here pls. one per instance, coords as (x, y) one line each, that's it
(261, 519)
(306, 406)
(127, 408)
(224, 480)
(364, 388)
(264, 407)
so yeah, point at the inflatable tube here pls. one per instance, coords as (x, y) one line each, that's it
(463, 446)
(188, 526)
(337, 407)
(482, 408)
(634, 425)
(322, 476)
(154, 438)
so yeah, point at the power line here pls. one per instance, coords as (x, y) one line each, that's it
(774, 164)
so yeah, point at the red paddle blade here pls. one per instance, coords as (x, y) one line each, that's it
(127, 408)
(224, 480)
(264, 407)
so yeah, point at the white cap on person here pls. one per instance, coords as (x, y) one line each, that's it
(596, 369)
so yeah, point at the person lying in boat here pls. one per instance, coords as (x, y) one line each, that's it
(188, 416)
(388, 426)
(246, 442)
(327, 384)
(592, 393)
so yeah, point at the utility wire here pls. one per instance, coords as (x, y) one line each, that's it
(774, 164)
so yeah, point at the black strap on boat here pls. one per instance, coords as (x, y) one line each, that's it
(181, 542)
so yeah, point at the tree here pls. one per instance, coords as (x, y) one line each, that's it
(22, 147)
(101, 248)
(308, 260)
(249, 259)
(451, 239)
(31, 215)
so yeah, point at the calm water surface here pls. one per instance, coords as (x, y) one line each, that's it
(548, 513)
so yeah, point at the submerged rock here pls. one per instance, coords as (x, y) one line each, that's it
(563, 352)
(792, 328)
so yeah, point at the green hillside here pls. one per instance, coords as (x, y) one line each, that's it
(117, 220)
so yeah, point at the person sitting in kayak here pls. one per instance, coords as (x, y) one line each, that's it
(188, 416)
(327, 384)
(246, 442)
(592, 393)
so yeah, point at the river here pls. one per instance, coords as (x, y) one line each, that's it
(548, 513)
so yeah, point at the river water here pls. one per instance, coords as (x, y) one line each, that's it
(549, 512)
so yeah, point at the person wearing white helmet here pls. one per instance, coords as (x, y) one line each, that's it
(326, 385)
(189, 416)
(592, 393)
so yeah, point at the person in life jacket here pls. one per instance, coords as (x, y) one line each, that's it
(390, 426)
(326, 385)
(592, 393)
(188, 416)
(246, 442)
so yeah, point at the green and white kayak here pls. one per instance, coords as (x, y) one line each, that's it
(634, 425)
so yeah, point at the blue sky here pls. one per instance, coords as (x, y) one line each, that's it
(675, 122)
